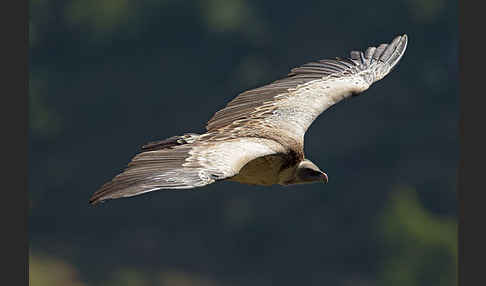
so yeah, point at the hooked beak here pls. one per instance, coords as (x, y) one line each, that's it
(324, 178)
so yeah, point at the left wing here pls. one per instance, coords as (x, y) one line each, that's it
(287, 107)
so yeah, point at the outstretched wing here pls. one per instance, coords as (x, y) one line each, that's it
(288, 106)
(183, 163)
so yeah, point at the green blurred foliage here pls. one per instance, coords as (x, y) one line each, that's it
(45, 270)
(233, 16)
(222, 15)
(426, 11)
(48, 271)
(38, 18)
(107, 74)
(101, 17)
(43, 120)
(420, 247)
(180, 278)
(128, 277)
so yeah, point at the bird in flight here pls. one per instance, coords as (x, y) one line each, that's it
(258, 137)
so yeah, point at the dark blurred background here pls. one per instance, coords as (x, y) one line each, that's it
(107, 76)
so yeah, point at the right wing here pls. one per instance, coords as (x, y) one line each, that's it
(182, 165)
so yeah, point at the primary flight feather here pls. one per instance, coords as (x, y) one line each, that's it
(258, 137)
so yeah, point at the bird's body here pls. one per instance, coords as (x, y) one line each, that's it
(258, 137)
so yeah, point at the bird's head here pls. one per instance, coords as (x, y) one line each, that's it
(308, 172)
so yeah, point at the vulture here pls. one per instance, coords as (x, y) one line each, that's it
(258, 137)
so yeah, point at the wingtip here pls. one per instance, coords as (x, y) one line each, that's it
(96, 198)
(401, 36)
(401, 47)
(93, 201)
(404, 39)
(382, 59)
